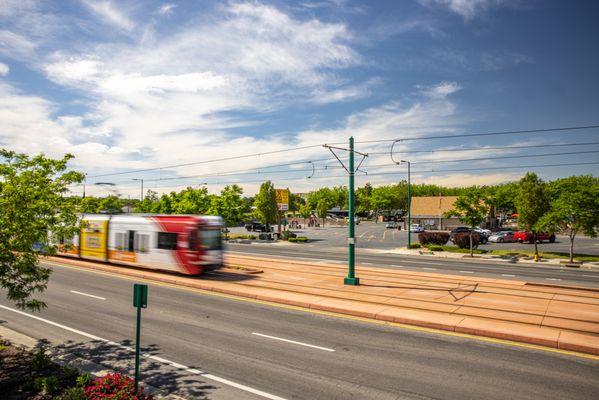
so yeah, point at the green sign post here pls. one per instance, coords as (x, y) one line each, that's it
(140, 300)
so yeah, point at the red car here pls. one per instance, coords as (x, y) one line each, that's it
(523, 236)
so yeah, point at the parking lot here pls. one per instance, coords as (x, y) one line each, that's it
(376, 236)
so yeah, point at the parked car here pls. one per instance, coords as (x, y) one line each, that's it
(391, 225)
(484, 238)
(255, 226)
(524, 236)
(502, 237)
(416, 228)
(482, 231)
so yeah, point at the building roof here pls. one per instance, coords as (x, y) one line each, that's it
(431, 206)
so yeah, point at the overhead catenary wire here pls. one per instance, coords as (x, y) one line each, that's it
(526, 131)
(482, 148)
(399, 172)
(320, 145)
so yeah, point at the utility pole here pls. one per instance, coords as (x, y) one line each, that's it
(142, 188)
(351, 239)
(409, 205)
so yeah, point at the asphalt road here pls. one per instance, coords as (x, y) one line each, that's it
(375, 236)
(552, 275)
(237, 344)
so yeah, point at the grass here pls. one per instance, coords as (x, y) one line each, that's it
(242, 236)
(546, 254)
(512, 253)
(454, 249)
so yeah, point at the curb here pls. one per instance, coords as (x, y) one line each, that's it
(505, 330)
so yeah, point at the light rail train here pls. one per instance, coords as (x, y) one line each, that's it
(188, 244)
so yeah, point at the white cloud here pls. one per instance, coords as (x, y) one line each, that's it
(468, 9)
(442, 90)
(464, 180)
(4, 69)
(15, 45)
(166, 8)
(110, 13)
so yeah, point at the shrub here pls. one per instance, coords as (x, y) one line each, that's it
(40, 360)
(114, 386)
(462, 240)
(302, 239)
(435, 247)
(285, 235)
(74, 393)
(49, 384)
(292, 239)
(439, 238)
(83, 380)
(414, 246)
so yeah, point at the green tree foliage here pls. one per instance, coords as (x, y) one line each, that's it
(305, 211)
(295, 202)
(471, 208)
(321, 209)
(111, 204)
(32, 206)
(149, 203)
(532, 203)
(230, 205)
(266, 204)
(574, 208)
(190, 201)
(362, 199)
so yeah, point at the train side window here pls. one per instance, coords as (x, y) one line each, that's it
(120, 241)
(142, 243)
(167, 241)
(131, 241)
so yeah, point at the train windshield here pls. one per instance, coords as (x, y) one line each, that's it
(210, 238)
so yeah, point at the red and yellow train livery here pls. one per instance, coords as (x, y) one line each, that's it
(188, 244)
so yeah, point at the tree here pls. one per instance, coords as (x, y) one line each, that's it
(471, 208)
(321, 209)
(149, 203)
(32, 208)
(532, 203)
(190, 201)
(266, 204)
(230, 205)
(305, 211)
(574, 208)
(111, 204)
(295, 202)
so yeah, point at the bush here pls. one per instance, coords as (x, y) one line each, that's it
(74, 393)
(439, 238)
(302, 239)
(286, 235)
(435, 247)
(49, 384)
(292, 239)
(414, 246)
(40, 360)
(462, 240)
(114, 386)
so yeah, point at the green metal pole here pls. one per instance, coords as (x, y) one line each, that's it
(137, 336)
(351, 240)
(409, 209)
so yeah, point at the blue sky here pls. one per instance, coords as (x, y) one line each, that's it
(140, 84)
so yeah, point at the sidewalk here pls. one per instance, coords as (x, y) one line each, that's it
(566, 318)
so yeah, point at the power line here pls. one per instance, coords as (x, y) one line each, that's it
(491, 148)
(572, 128)
(207, 161)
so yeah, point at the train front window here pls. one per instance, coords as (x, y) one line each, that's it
(211, 239)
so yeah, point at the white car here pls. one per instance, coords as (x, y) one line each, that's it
(416, 228)
(502, 237)
(482, 231)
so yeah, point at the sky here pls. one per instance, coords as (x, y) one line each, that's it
(144, 85)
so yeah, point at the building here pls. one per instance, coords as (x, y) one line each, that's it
(429, 211)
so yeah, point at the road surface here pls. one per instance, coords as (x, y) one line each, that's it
(247, 350)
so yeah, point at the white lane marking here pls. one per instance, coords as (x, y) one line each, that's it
(398, 266)
(155, 358)
(510, 275)
(292, 341)
(467, 272)
(88, 295)
(553, 279)
(368, 263)
(430, 269)
(590, 276)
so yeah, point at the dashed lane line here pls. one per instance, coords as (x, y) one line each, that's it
(88, 295)
(292, 341)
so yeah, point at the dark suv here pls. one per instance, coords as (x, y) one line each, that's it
(464, 229)
(255, 226)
